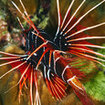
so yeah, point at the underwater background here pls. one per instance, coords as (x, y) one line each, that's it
(43, 13)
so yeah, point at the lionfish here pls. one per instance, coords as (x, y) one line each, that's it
(42, 50)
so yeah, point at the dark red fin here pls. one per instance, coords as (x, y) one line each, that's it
(63, 62)
(56, 87)
(79, 90)
(83, 97)
(81, 55)
(77, 72)
(14, 60)
(49, 87)
(60, 86)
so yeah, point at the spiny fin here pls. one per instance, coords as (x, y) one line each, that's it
(56, 87)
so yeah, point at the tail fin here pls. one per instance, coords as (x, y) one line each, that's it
(83, 97)
(80, 91)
